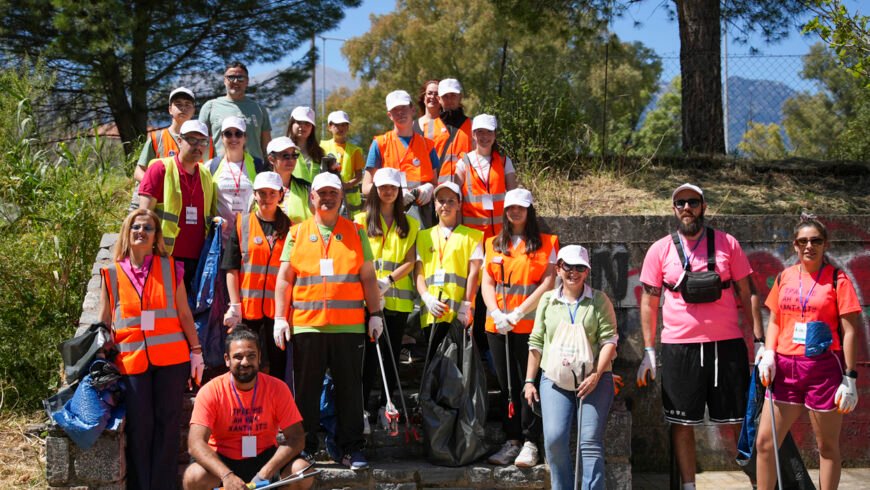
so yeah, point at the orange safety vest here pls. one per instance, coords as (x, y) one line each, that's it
(165, 145)
(318, 300)
(473, 213)
(259, 272)
(413, 161)
(165, 345)
(462, 143)
(522, 275)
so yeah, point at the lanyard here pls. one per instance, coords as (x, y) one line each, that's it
(249, 419)
(236, 181)
(691, 252)
(186, 182)
(805, 301)
(488, 172)
(441, 247)
(324, 245)
(573, 314)
(407, 149)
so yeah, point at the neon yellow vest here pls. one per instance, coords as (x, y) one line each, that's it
(249, 167)
(295, 203)
(352, 197)
(305, 168)
(454, 257)
(170, 209)
(389, 252)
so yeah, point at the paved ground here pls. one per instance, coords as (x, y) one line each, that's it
(851, 479)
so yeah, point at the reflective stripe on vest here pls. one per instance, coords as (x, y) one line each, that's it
(473, 214)
(389, 253)
(165, 145)
(394, 154)
(259, 271)
(455, 259)
(523, 273)
(323, 301)
(165, 344)
(170, 209)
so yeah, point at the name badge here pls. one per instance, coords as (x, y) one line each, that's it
(238, 207)
(249, 446)
(440, 275)
(487, 202)
(147, 321)
(404, 179)
(190, 216)
(800, 333)
(326, 267)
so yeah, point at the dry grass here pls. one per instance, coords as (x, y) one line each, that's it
(22, 452)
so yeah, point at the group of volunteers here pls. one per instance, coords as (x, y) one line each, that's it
(326, 251)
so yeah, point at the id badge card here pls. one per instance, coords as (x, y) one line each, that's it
(440, 275)
(190, 215)
(326, 267)
(249, 446)
(800, 333)
(147, 321)
(237, 207)
(487, 202)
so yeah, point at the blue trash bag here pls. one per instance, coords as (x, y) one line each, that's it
(91, 410)
(818, 338)
(208, 301)
(328, 419)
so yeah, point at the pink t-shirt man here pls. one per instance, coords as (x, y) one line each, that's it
(704, 322)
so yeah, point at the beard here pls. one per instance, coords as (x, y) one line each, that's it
(247, 377)
(692, 228)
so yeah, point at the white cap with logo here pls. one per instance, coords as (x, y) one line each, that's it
(325, 179)
(397, 98)
(268, 180)
(574, 255)
(181, 90)
(518, 197)
(449, 86)
(484, 121)
(303, 113)
(338, 117)
(280, 143)
(688, 187)
(388, 176)
(194, 126)
(234, 122)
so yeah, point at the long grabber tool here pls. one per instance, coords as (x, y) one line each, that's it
(409, 431)
(507, 345)
(578, 466)
(291, 478)
(775, 439)
(390, 412)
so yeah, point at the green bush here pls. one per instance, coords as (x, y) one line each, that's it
(56, 200)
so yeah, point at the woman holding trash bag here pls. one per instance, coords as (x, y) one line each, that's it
(392, 235)
(577, 320)
(252, 257)
(145, 303)
(806, 365)
(518, 269)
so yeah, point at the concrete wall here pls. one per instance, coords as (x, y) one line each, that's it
(617, 246)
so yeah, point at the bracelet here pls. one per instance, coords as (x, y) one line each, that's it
(390, 277)
(651, 349)
(375, 313)
(194, 347)
(228, 473)
(530, 381)
(760, 339)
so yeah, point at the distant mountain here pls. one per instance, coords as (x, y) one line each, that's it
(753, 100)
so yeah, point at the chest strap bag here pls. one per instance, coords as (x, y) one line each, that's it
(702, 286)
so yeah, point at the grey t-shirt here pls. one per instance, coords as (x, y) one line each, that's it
(256, 116)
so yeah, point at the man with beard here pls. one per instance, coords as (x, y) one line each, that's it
(452, 128)
(235, 421)
(704, 355)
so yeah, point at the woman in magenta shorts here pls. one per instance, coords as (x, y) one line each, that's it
(806, 300)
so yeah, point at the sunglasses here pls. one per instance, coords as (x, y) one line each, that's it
(236, 78)
(574, 268)
(286, 156)
(233, 134)
(815, 241)
(194, 142)
(681, 203)
(145, 228)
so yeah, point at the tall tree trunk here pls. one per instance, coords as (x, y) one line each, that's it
(701, 71)
(114, 88)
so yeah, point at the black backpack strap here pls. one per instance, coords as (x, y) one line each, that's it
(676, 238)
(711, 249)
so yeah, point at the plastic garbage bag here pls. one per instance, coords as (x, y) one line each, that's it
(208, 301)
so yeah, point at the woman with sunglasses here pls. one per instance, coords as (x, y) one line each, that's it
(283, 155)
(233, 174)
(144, 303)
(251, 260)
(392, 235)
(574, 305)
(518, 270)
(300, 129)
(806, 365)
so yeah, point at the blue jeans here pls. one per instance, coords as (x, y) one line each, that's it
(558, 410)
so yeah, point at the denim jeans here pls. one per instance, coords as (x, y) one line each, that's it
(558, 410)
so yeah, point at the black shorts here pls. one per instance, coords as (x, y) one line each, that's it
(247, 468)
(718, 380)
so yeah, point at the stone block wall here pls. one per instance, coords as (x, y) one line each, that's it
(102, 467)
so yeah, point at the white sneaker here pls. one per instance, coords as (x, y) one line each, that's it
(506, 455)
(528, 455)
(367, 428)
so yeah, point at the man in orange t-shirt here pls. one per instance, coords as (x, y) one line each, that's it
(235, 421)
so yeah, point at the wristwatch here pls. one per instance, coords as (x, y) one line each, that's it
(852, 374)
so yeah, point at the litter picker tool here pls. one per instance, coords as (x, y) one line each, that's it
(775, 439)
(291, 478)
(390, 412)
(578, 466)
(409, 431)
(507, 344)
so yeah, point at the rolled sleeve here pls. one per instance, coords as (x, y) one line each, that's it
(539, 331)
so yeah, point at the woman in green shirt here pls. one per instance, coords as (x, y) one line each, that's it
(572, 305)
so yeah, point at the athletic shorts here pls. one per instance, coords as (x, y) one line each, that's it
(247, 468)
(808, 381)
(711, 374)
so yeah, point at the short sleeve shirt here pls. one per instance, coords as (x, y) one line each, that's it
(706, 322)
(217, 407)
(255, 115)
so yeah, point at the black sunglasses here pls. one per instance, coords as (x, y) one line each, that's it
(233, 134)
(146, 228)
(681, 203)
(815, 241)
(194, 142)
(574, 268)
(286, 156)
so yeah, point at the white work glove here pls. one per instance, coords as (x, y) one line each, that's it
(408, 197)
(759, 352)
(425, 195)
(847, 395)
(197, 365)
(435, 307)
(465, 313)
(647, 365)
(515, 316)
(376, 327)
(767, 367)
(383, 285)
(502, 325)
(281, 331)
(233, 316)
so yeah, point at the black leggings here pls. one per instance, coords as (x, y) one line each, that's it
(524, 424)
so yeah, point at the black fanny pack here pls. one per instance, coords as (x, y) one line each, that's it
(702, 286)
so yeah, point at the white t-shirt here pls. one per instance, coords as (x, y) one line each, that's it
(235, 191)
(445, 233)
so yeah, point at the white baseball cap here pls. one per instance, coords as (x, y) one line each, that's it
(181, 90)
(388, 176)
(449, 86)
(268, 180)
(234, 122)
(574, 255)
(453, 186)
(689, 187)
(338, 117)
(518, 197)
(303, 113)
(397, 98)
(325, 179)
(280, 143)
(194, 126)
(484, 121)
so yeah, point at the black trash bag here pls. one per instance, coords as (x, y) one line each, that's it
(794, 472)
(453, 401)
(79, 352)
